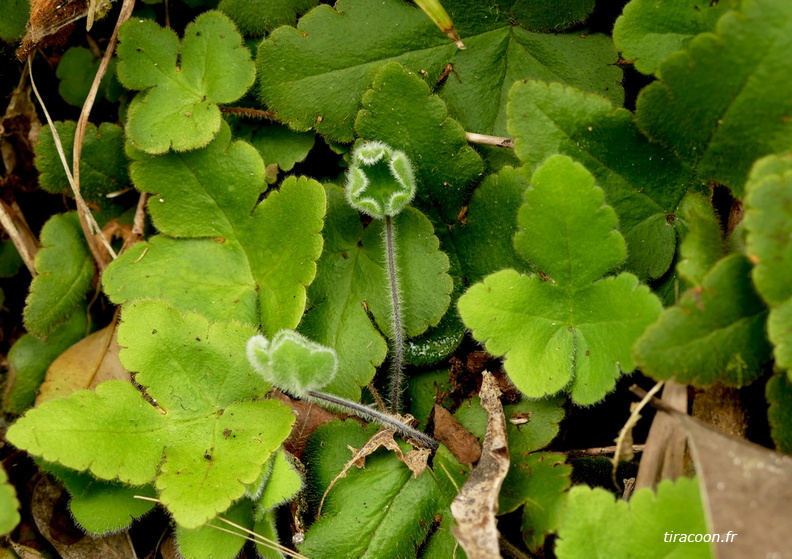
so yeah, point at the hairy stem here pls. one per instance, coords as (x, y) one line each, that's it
(374, 416)
(397, 360)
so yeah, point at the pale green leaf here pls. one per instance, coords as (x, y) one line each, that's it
(352, 273)
(283, 484)
(400, 110)
(722, 103)
(649, 30)
(9, 505)
(181, 83)
(66, 270)
(642, 181)
(315, 75)
(390, 509)
(207, 542)
(222, 254)
(597, 526)
(768, 221)
(559, 330)
(257, 17)
(30, 357)
(715, 333)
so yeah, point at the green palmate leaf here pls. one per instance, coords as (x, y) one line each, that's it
(30, 357)
(722, 103)
(484, 241)
(537, 480)
(9, 505)
(211, 441)
(76, 71)
(400, 111)
(768, 211)
(642, 181)
(65, 270)
(549, 15)
(101, 507)
(595, 526)
(103, 165)
(256, 17)
(181, 84)
(277, 144)
(716, 332)
(390, 509)
(649, 30)
(352, 281)
(207, 542)
(222, 254)
(283, 484)
(779, 396)
(333, 55)
(703, 244)
(565, 329)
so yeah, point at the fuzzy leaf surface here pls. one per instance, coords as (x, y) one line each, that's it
(716, 332)
(103, 166)
(703, 244)
(206, 542)
(768, 220)
(65, 268)
(277, 144)
(352, 272)
(213, 437)
(573, 330)
(323, 67)
(283, 484)
(779, 396)
(722, 103)
(181, 83)
(549, 15)
(9, 505)
(390, 509)
(30, 357)
(400, 110)
(257, 17)
(649, 30)
(221, 253)
(642, 181)
(595, 526)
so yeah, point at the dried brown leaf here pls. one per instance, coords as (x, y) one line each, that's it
(462, 443)
(475, 506)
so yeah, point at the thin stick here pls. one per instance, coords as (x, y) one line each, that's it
(629, 424)
(599, 451)
(397, 361)
(374, 416)
(23, 239)
(254, 113)
(138, 224)
(484, 139)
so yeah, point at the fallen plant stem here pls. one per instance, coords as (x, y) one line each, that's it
(138, 223)
(17, 228)
(599, 451)
(374, 416)
(253, 113)
(628, 425)
(487, 140)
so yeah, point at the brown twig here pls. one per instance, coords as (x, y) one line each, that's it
(598, 451)
(487, 140)
(138, 224)
(24, 240)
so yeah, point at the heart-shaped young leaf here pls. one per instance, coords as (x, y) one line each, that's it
(65, 268)
(768, 220)
(648, 30)
(655, 526)
(222, 254)
(722, 103)
(566, 328)
(181, 84)
(352, 282)
(381, 180)
(292, 362)
(334, 54)
(210, 443)
(642, 181)
(400, 110)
